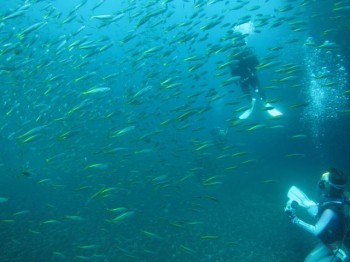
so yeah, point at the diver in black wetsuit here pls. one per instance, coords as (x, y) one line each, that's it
(246, 69)
(331, 214)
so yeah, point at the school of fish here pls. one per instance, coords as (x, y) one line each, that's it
(106, 110)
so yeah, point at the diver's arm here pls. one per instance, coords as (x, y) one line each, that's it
(321, 224)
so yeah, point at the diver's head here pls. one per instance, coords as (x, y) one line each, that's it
(332, 183)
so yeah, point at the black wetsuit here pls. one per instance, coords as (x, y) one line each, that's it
(336, 228)
(246, 69)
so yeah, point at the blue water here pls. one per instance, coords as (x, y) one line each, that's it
(110, 112)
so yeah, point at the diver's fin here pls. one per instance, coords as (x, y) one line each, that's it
(295, 194)
(272, 111)
(247, 113)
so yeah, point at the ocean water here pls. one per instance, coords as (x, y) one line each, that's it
(120, 137)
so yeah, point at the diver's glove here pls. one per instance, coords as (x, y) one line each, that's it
(295, 220)
(292, 216)
(290, 211)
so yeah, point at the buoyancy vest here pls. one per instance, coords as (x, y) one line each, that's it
(336, 228)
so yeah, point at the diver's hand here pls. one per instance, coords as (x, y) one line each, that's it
(294, 220)
(290, 212)
(292, 216)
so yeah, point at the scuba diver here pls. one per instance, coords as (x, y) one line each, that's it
(332, 226)
(246, 70)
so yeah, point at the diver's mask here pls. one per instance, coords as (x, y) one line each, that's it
(325, 185)
(324, 181)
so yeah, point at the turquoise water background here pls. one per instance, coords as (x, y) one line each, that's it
(109, 119)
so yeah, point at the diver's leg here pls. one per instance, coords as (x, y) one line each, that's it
(261, 92)
(319, 253)
(244, 84)
(271, 110)
(246, 91)
(255, 83)
(330, 258)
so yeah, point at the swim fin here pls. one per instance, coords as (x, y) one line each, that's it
(295, 194)
(247, 113)
(272, 111)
